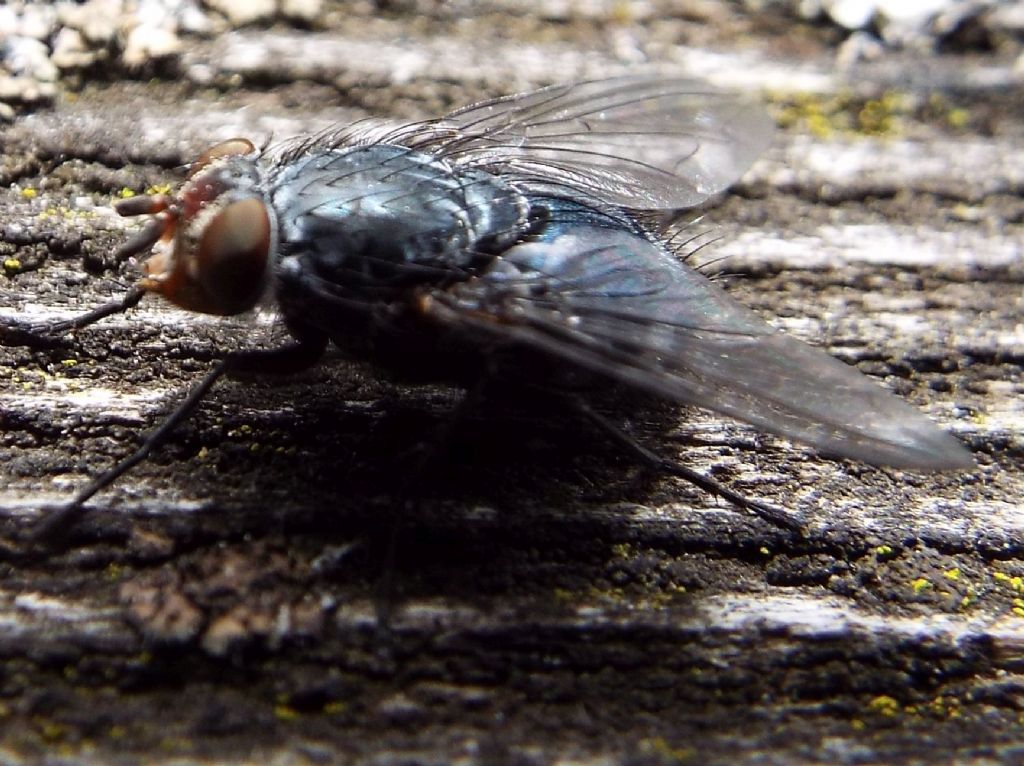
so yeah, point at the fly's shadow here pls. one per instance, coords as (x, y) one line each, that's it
(338, 450)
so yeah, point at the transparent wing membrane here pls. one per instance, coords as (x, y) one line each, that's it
(620, 305)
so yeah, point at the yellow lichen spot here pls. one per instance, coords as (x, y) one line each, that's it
(1014, 581)
(879, 116)
(884, 705)
(660, 747)
(52, 732)
(563, 594)
(203, 453)
(159, 189)
(969, 213)
(29, 192)
(883, 550)
(955, 117)
(621, 13)
(945, 706)
(1019, 611)
(125, 193)
(69, 363)
(621, 550)
(968, 600)
(857, 724)
(958, 118)
(335, 708)
(12, 265)
(844, 113)
(873, 119)
(615, 595)
(286, 713)
(952, 574)
(819, 125)
(920, 585)
(764, 551)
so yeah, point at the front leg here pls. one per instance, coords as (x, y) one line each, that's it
(288, 359)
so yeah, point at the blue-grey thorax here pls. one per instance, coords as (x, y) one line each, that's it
(372, 219)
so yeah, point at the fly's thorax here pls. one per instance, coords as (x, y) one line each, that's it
(213, 241)
(381, 217)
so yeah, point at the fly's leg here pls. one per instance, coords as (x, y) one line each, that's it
(647, 457)
(427, 451)
(129, 300)
(284, 360)
(45, 334)
(57, 522)
(18, 333)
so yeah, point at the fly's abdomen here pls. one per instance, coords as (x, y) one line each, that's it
(370, 220)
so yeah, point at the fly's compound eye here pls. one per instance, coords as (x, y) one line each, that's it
(212, 240)
(232, 257)
(230, 148)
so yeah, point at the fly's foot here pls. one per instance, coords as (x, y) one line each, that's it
(54, 524)
(50, 334)
(38, 539)
(15, 333)
(774, 516)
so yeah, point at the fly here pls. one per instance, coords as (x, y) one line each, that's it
(514, 235)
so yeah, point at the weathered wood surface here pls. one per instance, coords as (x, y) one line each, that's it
(549, 602)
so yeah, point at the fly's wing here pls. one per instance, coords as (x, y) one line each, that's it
(639, 142)
(611, 301)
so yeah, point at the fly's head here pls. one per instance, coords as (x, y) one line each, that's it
(211, 242)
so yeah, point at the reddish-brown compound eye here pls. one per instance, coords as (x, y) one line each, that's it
(229, 148)
(232, 256)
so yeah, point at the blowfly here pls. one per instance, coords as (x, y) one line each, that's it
(512, 237)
